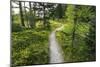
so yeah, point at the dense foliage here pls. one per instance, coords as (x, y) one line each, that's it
(30, 47)
(81, 24)
(33, 25)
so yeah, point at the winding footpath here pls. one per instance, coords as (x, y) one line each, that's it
(55, 50)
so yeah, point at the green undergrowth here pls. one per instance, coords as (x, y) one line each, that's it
(78, 51)
(30, 47)
(54, 24)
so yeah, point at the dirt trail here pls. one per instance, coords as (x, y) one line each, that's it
(55, 50)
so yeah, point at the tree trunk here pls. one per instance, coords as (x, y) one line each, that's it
(34, 5)
(21, 14)
(31, 16)
(26, 17)
(44, 19)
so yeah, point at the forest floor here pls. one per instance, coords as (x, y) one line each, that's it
(55, 49)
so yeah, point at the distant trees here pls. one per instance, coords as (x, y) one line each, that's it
(35, 12)
(60, 11)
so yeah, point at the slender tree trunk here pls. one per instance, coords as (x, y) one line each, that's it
(44, 19)
(31, 16)
(21, 14)
(26, 17)
(34, 5)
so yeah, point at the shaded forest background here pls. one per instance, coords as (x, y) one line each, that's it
(32, 25)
